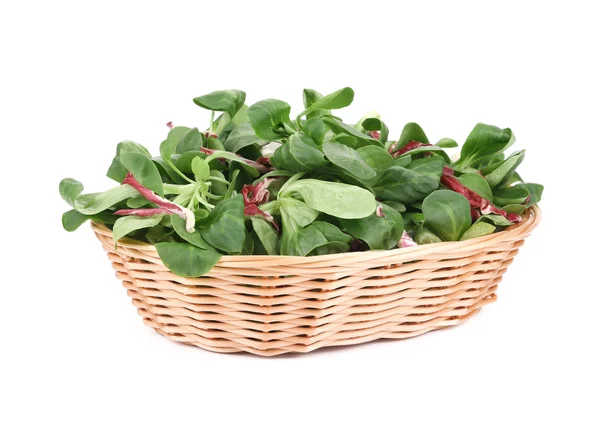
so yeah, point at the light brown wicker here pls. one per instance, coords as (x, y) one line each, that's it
(269, 305)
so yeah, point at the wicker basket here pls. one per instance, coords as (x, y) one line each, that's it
(269, 305)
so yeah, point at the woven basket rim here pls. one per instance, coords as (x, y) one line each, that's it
(517, 231)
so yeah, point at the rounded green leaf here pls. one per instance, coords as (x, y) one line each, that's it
(478, 229)
(229, 101)
(127, 224)
(186, 260)
(144, 170)
(349, 159)
(70, 189)
(448, 213)
(200, 168)
(337, 199)
(478, 184)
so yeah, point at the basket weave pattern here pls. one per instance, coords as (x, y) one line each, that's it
(269, 305)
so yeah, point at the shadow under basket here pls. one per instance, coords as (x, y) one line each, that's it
(270, 305)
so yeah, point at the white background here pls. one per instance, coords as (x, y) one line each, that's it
(77, 78)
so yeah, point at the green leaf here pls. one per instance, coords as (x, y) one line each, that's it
(446, 143)
(505, 170)
(200, 168)
(90, 204)
(338, 99)
(411, 132)
(380, 233)
(482, 143)
(194, 238)
(72, 220)
(339, 127)
(222, 154)
(375, 124)
(224, 228)
(137, 202)
(336, 199)
(478, 184)
(127, 224)
(144, 171)
(447, 213)
(297, 211)
(186, 260)
(315, 129)
(331, 232)
(299, 153)
(431, 166)
(378, 159)
(513, 195)
(69, 190)
(176, 134)
(300, 241)
(519, 209)
(192, 140)
(348, 159)
(396, 205)
(424, 236)
(404, 185)
(535, 192)
(266, 234)
(229, 101)
(330, 248)
(311, 96)
(242, 136)
(268, 118)
(497, 220)
(214, 144)
(116, 170)
(168, 170)
(428, 149)
(478, 229)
